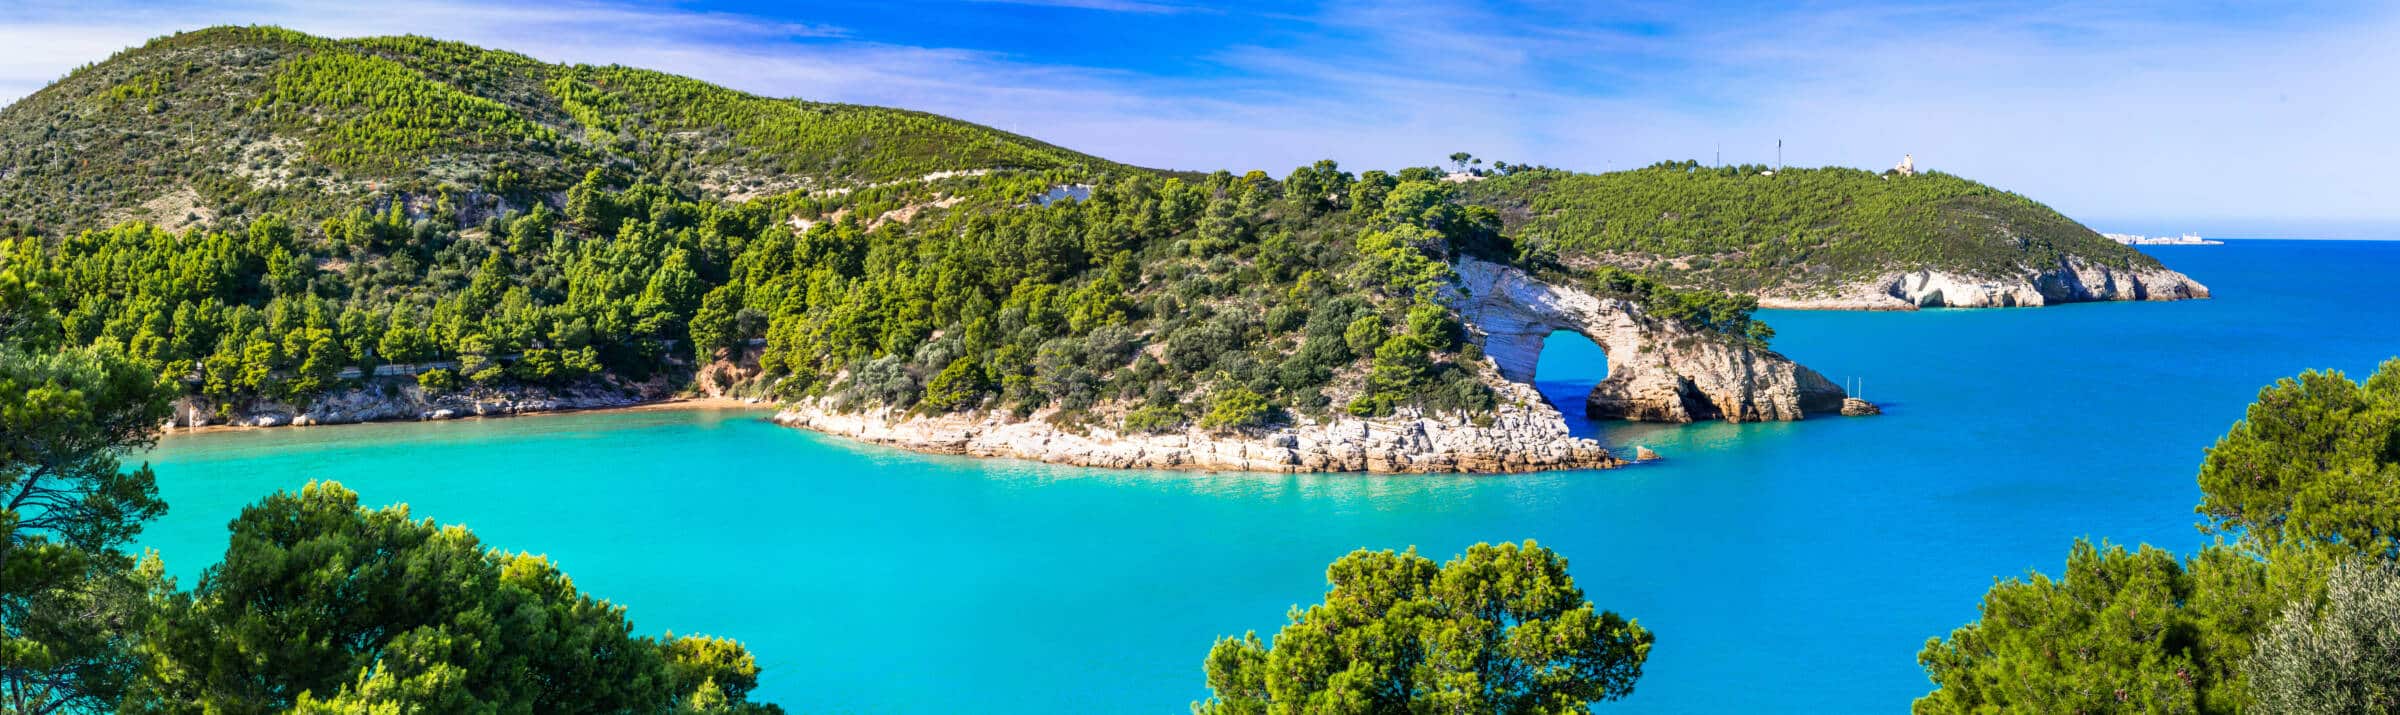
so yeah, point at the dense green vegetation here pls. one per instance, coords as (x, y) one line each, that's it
(2315, 460)
(2121, 631)
(1159, 301)
(264, 313)
(318, 606)
(69, 596)
(2295, 616)
(640, 111)
(331, 607)
(1747, 229)
(484, 220)
(2342, 658)
(1500, 629)
(238, 121)
(372, 112)
(1154, 303)
(990, 304)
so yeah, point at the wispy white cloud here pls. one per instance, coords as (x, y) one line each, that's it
(1101, 5)
(2105, 110)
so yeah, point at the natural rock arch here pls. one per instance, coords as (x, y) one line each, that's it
(1658, 371)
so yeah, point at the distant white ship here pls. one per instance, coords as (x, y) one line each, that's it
(2135, 239)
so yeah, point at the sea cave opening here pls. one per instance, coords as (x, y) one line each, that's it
(1570, 364)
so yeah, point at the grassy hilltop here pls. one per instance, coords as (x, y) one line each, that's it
(237, 121)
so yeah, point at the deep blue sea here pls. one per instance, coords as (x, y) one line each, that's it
(1794, 567)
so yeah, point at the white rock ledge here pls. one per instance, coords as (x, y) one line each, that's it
(2072, 281)
(1525, 437)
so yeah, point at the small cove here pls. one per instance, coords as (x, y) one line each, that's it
(1805, 561)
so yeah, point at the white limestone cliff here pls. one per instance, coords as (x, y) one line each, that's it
(1524, 434)
(1658, 371)
(2073, 280)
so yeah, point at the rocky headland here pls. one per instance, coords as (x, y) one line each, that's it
(2073, 280)
(1658, 371)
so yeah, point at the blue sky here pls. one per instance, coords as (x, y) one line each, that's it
(2240, 118)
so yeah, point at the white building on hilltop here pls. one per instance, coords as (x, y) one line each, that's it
(2135, 239)
(1907, 165)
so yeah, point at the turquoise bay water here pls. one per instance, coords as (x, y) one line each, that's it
(1790, 567)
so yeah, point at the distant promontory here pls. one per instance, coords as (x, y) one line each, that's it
(1829, 238)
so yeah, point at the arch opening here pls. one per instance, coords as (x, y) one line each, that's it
(1662, 371)
(1570, 364)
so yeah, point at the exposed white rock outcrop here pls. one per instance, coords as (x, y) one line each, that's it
(2073, 280)
(1524, 434)
(1658, 371)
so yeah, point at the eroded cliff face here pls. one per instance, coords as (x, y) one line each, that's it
(2073, 280)
(1657, 371)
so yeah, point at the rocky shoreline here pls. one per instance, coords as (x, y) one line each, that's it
(1530, 436)
(403, 400)
(2072, 281)
(1525, 434)
(1658, 371)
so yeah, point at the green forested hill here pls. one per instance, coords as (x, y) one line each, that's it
(1748, 229)
(1151, 304)
(232, 121)
(263, 217)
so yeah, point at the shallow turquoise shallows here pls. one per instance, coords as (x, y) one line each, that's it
(1789, 567)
